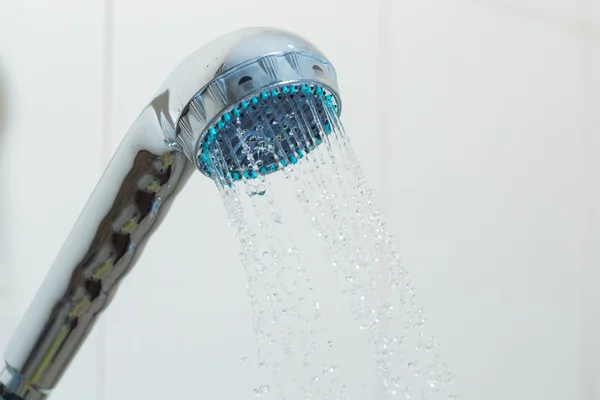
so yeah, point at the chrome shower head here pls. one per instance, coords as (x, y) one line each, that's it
(240, 75)
(265, 78)
(245, 104)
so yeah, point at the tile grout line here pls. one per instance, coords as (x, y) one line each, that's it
(8, 281)
(384, 70)
(590, 349)
(105, 153)
(384, 61)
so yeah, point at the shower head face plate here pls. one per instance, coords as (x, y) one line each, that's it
(266, 132)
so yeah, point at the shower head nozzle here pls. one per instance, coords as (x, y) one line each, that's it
(262, 103)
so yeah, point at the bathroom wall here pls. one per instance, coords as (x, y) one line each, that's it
(6, 270)
(477, 121)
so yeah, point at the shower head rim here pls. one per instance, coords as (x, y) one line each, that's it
(336, 102)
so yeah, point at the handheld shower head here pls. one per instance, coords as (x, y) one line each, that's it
(255, 86)
(245, 104)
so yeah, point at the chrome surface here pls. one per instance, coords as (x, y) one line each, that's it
(135, 192)
(99, 252)
(289, 60)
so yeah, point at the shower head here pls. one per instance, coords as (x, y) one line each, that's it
(228, 86)
(258, 83)
(245, 105)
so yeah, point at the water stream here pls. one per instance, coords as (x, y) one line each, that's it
(333, 194)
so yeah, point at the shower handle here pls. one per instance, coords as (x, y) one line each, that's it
(127, 205)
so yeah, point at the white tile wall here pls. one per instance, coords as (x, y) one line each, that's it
(476, 119)
(492, 183)
(52, 51)
(591, 88)
(556, 12)
(7, 273)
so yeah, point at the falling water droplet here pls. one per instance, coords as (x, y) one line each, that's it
(262, 390)
(302, 197)
(261, 190)
(250, 190)
(276, 217)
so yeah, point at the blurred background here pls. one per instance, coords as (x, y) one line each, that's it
(477, 121)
